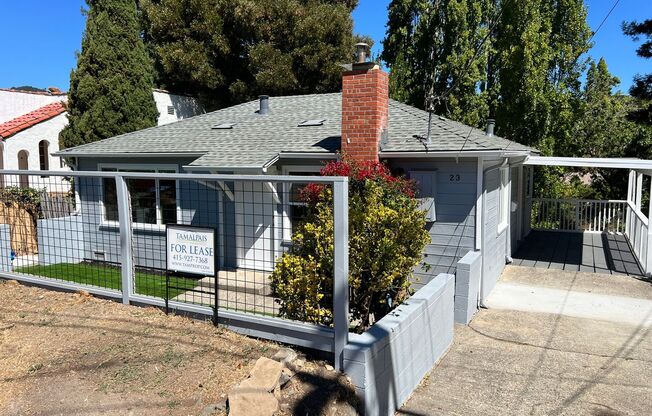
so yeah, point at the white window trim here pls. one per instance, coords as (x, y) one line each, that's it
(287, 170)
(503, 200)
(154, 168)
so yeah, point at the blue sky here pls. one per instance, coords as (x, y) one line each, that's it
(40, 38)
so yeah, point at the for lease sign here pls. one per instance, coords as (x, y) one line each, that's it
(191, 250)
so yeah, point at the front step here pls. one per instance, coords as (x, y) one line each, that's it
(239, 281)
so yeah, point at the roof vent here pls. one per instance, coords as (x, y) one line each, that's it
(313, 122)
(223, 126)
(491, 123)
(264, 105)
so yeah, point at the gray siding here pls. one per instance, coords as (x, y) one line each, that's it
(453, 234)
(198, 206)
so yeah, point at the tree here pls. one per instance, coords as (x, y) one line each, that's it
(600, 131)
(387, 236)
(642, 87)
(518, 62)
(431, 48)
(229, 51)
(111, 88)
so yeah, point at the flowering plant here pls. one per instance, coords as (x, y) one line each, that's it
(387, 236)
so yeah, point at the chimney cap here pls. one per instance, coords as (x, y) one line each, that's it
(361, 52)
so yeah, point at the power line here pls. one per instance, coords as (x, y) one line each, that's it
(605, 19)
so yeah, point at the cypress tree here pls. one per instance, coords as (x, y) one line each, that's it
(111, 88)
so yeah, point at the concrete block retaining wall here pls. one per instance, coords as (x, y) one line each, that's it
(467, 286)
(61, 240)
(5, 248)
(387, 362)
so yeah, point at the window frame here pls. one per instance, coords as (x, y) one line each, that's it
(503, 199)
(288, 170)
(153, 168)
(44, 156)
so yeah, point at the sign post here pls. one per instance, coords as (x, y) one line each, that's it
(190, 250)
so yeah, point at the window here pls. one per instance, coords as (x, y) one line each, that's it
(44, 156)
(503, 199)
(170, 110)
(23, 164)
(153, 201)
(294, 209)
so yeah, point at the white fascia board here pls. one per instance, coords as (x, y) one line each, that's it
(299, 155)
(453, 153)
(126, 154)
(235, 169)
(587, 162)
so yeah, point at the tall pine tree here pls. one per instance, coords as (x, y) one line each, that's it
(111, 88)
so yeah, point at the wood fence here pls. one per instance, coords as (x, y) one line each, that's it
(22, 226)
(56, 205)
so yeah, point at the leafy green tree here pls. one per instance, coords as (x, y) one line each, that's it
(229, 51)
(387, 236)
(516, 61)
(642, 87)
(432, 49)
(111, 88)
(539, 48)
(600, 130)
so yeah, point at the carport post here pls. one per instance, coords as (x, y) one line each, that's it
(630, 200)
(340, 269)
(124, 216)
(648, 257)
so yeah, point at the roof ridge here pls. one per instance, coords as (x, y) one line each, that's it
(45, 93)
(34, 117)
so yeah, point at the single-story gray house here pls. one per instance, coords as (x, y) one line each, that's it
(475, 178)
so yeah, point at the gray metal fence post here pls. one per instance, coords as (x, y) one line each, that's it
(341, 269)
(124, 216)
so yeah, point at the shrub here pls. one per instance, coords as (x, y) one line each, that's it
(26, 198)
(386, 238)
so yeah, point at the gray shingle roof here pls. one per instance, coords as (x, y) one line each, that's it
(255, 140)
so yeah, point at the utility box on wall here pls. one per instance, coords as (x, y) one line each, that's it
(427, 187)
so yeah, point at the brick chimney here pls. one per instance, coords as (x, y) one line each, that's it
(365, 100)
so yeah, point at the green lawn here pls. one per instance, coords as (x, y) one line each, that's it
(110, 278)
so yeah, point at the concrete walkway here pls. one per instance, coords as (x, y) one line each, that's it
(552, 343)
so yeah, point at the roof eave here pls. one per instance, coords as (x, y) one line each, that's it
(453, 153)
(63, 153)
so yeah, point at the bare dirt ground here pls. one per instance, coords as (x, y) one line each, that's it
(72, 354)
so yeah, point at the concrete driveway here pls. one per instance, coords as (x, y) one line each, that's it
(551, 343)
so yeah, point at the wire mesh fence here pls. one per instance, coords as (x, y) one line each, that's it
(94, 236)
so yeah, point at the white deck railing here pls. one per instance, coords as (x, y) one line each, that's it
(579, 215)
(637, 233)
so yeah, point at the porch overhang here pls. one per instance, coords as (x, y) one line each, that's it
(591, 162)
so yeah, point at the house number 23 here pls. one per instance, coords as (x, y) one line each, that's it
(454, 178)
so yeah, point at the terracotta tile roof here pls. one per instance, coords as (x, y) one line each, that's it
(13, 126)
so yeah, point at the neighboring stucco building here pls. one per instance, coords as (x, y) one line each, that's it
(475, 179)
(30, 122)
